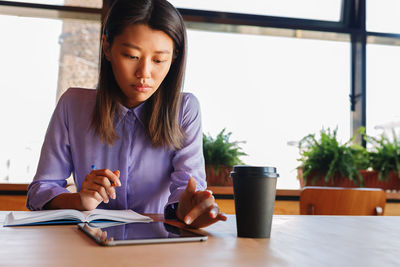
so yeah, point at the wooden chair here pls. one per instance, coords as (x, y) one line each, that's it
(316, 200)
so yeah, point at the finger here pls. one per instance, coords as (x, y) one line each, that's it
(90, 177)
(91, 194)
(104, 177)
(221, 216)
(203, 195)
(189, 191)
(94, 183)
(191, 186)
(103, 236)
(201, 200)
(214, 210)
(111, 191)
(117, 181)
(112, 176)
(105, 182)
(204, 221)
(198, 210)
(100, 190)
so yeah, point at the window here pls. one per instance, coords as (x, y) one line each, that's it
(80, 3)
(383, 57)
(383, 16)
(383, 113)
(269, 91)
(38, 56)
(269, 86)
(306, 9)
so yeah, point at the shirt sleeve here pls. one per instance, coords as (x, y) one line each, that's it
(189, 160)
(55, 164)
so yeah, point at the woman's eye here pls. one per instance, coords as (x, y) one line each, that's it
(159, 61)
(132, 57)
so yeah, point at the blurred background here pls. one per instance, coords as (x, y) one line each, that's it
(268, 71)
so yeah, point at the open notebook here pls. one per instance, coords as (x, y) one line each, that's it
(71, 216)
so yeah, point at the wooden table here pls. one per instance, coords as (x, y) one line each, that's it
(295, 241)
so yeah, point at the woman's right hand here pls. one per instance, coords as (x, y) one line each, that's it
(98, 186)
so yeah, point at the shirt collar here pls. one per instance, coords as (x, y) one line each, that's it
(138, 111)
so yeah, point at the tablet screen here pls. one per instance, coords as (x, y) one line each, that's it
(138, 233)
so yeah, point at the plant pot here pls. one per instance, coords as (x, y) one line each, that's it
(220, 177)
(337, 181)
(370, 181)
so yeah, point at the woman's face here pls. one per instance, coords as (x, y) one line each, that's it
(140, 58)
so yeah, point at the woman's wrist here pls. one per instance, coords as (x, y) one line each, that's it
(65, 201)
(171, 212)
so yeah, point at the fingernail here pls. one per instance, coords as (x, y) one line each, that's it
(188, 220)
(213, 214)
(106, 200)
(113, 196)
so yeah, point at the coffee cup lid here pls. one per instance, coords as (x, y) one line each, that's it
(254, 171)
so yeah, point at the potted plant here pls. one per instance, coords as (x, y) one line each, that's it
(220, 154)
(324, 161)
(384, 157)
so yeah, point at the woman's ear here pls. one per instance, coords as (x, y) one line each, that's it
(106, 48)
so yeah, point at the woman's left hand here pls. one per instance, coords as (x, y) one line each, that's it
(198, 208)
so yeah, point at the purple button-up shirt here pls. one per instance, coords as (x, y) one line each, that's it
(151, 177)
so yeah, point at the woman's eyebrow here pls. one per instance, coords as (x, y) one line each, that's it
(138, 48)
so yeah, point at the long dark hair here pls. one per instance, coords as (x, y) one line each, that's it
(162, 108)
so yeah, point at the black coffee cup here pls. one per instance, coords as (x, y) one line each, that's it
(254, 190)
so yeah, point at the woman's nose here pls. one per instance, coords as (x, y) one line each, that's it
(143, 70)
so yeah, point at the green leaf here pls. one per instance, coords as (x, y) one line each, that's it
(384, 155)
(221, 151)
(325, 154)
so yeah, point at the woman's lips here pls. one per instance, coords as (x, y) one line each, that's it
(141, 87)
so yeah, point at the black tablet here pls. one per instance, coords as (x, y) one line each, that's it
(138, 233)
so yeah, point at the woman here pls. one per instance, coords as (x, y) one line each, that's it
(136, 141)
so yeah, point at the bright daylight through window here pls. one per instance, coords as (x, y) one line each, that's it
(61, 54)
(269, 91)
